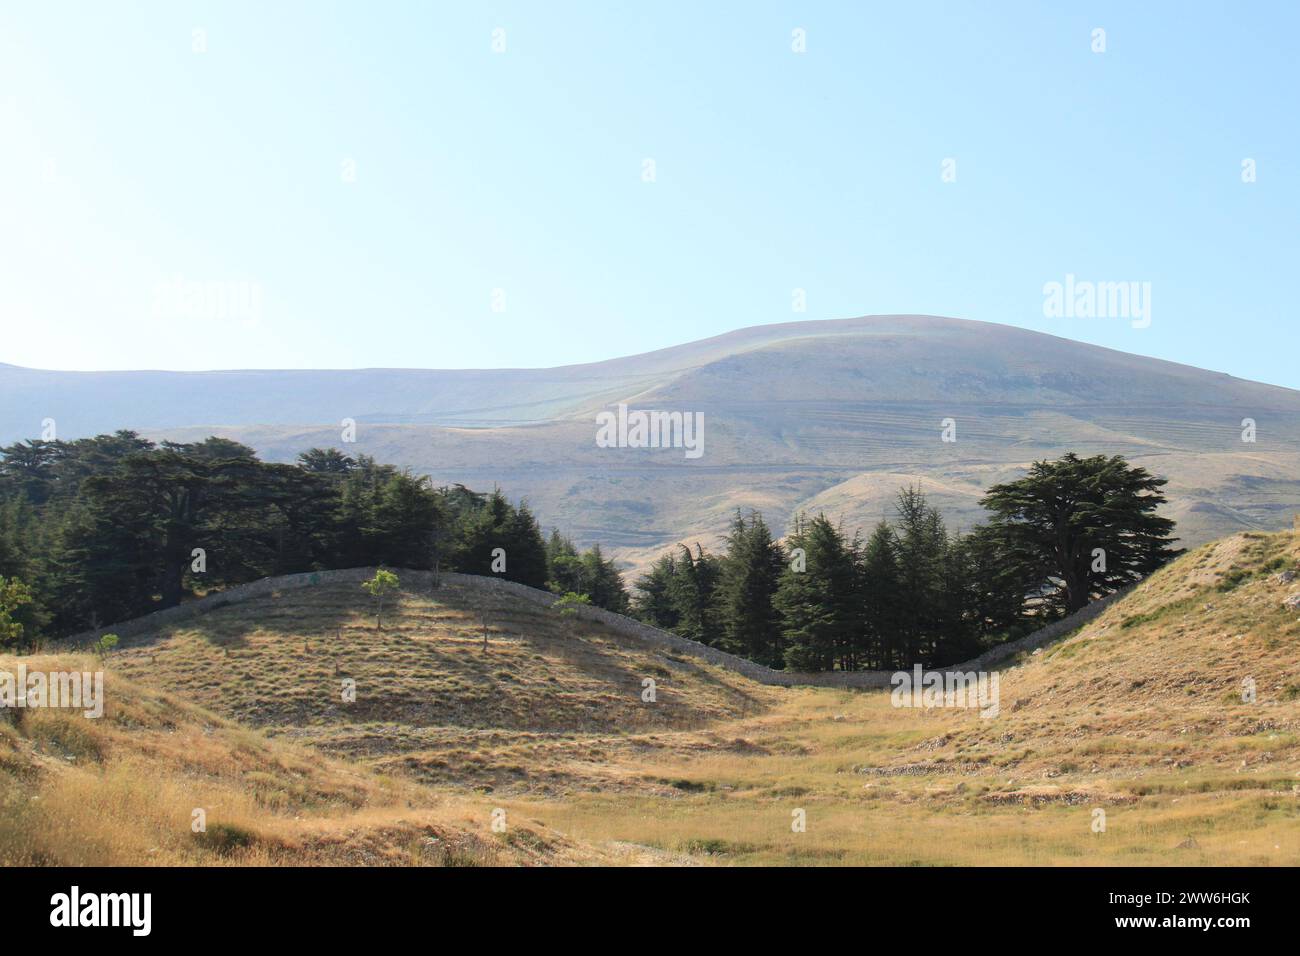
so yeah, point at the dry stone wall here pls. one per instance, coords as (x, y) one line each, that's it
(424, 581)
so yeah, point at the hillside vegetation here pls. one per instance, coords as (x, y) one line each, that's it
(1138, 717)
(122, 790)
(540, 705)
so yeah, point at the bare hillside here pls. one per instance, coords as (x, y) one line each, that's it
(832, 415)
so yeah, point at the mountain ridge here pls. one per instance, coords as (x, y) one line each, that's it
(456, 397)
(791, 424)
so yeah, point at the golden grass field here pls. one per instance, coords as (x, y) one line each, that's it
(1139, 714)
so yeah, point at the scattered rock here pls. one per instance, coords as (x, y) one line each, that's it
(1292, 603)
(1285, 577)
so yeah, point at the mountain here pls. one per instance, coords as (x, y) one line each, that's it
(824, 415)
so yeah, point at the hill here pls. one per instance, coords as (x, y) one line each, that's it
(1139, 715)
(832, 415)
(1157, 684)
(122, 790)
(546, 704)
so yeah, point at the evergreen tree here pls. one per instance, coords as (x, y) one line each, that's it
(817, 598)
(602, 582)
(525, 549)
(922, 543)
(1081, 527)
(482, 531)
(653, 602)
(326, 461)
(564, 565)
(994, 590)
(751, 569)
(880, 620)
(404, 516)
(695, 596)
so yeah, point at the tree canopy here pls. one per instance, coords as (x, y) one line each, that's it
(107, 528)
(1080, 527)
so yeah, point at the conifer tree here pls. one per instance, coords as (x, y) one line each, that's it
(817, 598)
(751, 568)
(1081, 527)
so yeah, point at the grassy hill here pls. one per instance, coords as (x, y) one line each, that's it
(541, 706)
(1139, 715)
(122, 789)
(1156, 682)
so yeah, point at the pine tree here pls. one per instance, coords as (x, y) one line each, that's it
(653, 600)
(817, 598)
(751, 569)
(880, 585)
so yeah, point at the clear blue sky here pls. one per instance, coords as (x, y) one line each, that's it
(128, 160)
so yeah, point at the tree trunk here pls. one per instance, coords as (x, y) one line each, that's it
(174, 561)
(1076, 590)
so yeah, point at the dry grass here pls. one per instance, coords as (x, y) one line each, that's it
(546, 706)
(122, 789)
(1139, 715)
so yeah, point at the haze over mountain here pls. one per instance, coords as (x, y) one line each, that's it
(820, 415)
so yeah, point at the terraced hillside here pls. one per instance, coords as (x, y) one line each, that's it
(467, 685)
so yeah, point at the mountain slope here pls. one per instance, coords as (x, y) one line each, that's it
(807, 415)
(1158, 681)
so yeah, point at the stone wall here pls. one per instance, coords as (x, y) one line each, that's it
(423, 581)
(1044, 635)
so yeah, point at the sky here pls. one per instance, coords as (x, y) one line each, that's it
(330, 185)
